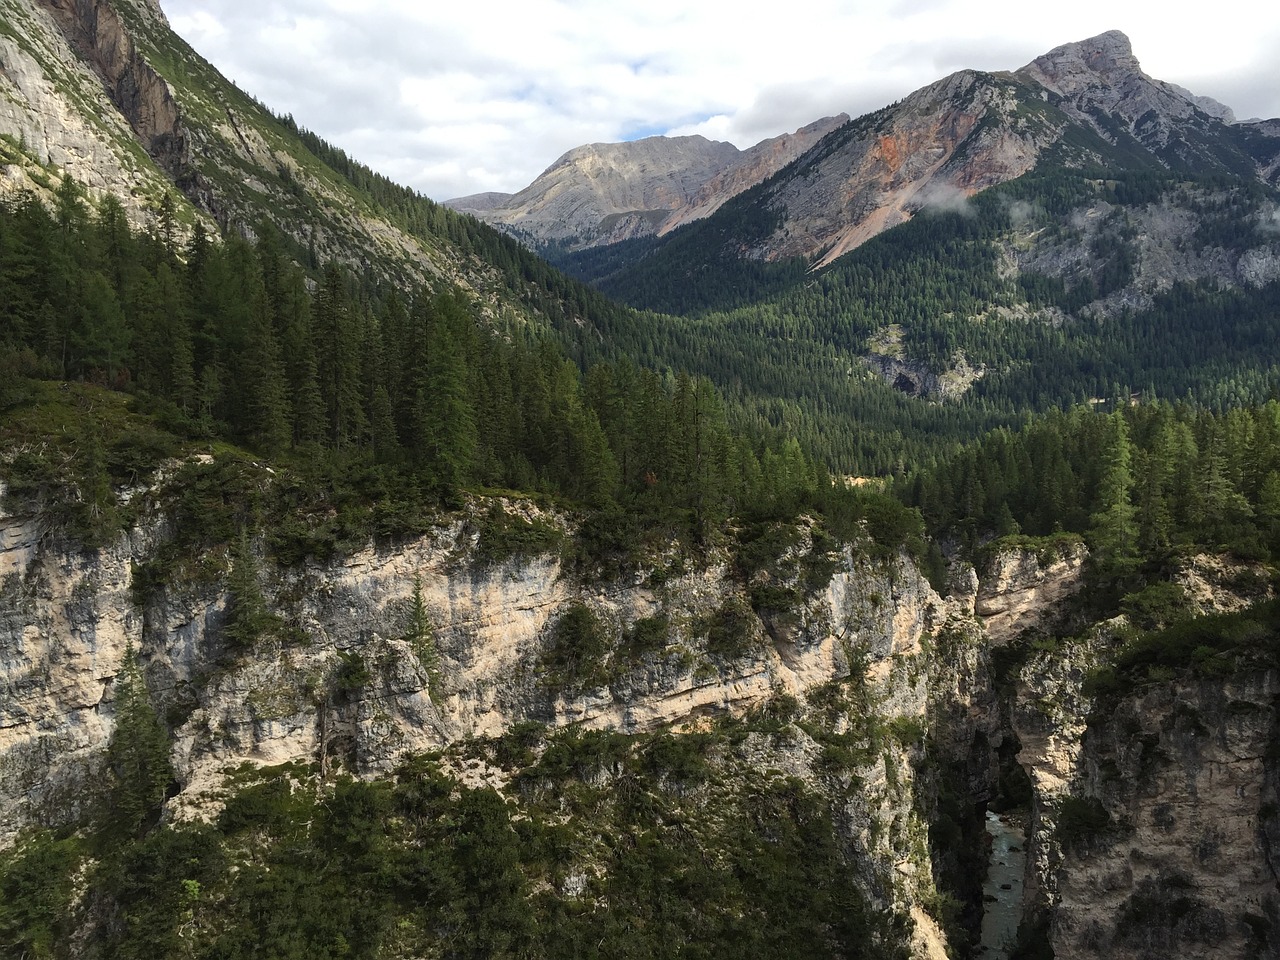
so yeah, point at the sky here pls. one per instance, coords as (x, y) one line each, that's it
(455, 97)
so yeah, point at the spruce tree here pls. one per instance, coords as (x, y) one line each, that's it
(247, 617)
(137, 755)
(1114, 531)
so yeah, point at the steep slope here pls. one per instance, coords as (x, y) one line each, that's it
(606, 192)
(56, 110)
(726, 701)
(104, 90)
(1082, 105)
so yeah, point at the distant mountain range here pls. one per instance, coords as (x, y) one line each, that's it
(838, 182)
(605, 192)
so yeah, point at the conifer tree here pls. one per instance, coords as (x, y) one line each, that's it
(448, 429)
(137, 754)
(337, 361)
(247, 616)
(262, 381)
(1114, 531)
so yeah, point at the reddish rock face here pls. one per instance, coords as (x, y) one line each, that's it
(943, 143)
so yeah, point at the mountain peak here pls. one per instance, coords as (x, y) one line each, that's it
(1072, 67)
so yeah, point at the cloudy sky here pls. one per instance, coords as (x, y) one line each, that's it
(456, 97)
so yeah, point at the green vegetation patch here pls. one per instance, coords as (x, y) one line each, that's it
(672, 846)
(1204, 647)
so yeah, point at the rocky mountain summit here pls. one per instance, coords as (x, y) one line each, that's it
(1083, 103)
(605, 192)
(1079, 104)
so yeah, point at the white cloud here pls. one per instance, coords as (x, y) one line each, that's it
(460, 98)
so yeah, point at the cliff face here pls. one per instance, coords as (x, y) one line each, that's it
(54, 104)
(1022, 590)
(1153, 819)
(884, 689)
(354, 683)
(1185, 864)
(97, 33)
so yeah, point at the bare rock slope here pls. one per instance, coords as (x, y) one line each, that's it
(605, 192)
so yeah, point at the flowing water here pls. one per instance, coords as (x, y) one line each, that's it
(1002, 892)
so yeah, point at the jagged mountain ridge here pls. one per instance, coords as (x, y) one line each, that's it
(601, 193)
(1083, 103)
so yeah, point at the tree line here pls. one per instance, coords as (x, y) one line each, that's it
(232, 339)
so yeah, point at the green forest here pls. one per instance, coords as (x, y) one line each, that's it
(232, 341)
(308, 407)
(785, 344)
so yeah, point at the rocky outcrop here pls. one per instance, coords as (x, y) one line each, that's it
(58, 111)
(69, 615)
(1022, 589)
(1099, 83)
(95, 30)
(1185, 774)
(1102, 75)
(915, 379)
(1153, 819)
(351, 680)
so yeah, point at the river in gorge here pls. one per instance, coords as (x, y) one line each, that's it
(1002, 892)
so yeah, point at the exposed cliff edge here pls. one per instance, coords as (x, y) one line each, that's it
(53, 105)
(883, 694)
(1154, 788)
(95, 30)
(389, 653)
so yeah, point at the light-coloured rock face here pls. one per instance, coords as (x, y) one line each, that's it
(1102, 72)
(68, 617)
(95, 30)
(1161, 237)
(1100, 83)
(1100, 62)
(1186, 867)
(1182, 770)
(56, 107)
(1021, 590)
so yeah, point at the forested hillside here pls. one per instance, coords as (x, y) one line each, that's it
(371, 588)
(414, 393)
(1057, 288)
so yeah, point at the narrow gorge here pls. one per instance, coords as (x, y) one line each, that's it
(912, 717)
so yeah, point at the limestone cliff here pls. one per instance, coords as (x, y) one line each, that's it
(1184, 865)
(885, 695)
(96, 32)
(350, 681)
(1153, 799)
(57, 110)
